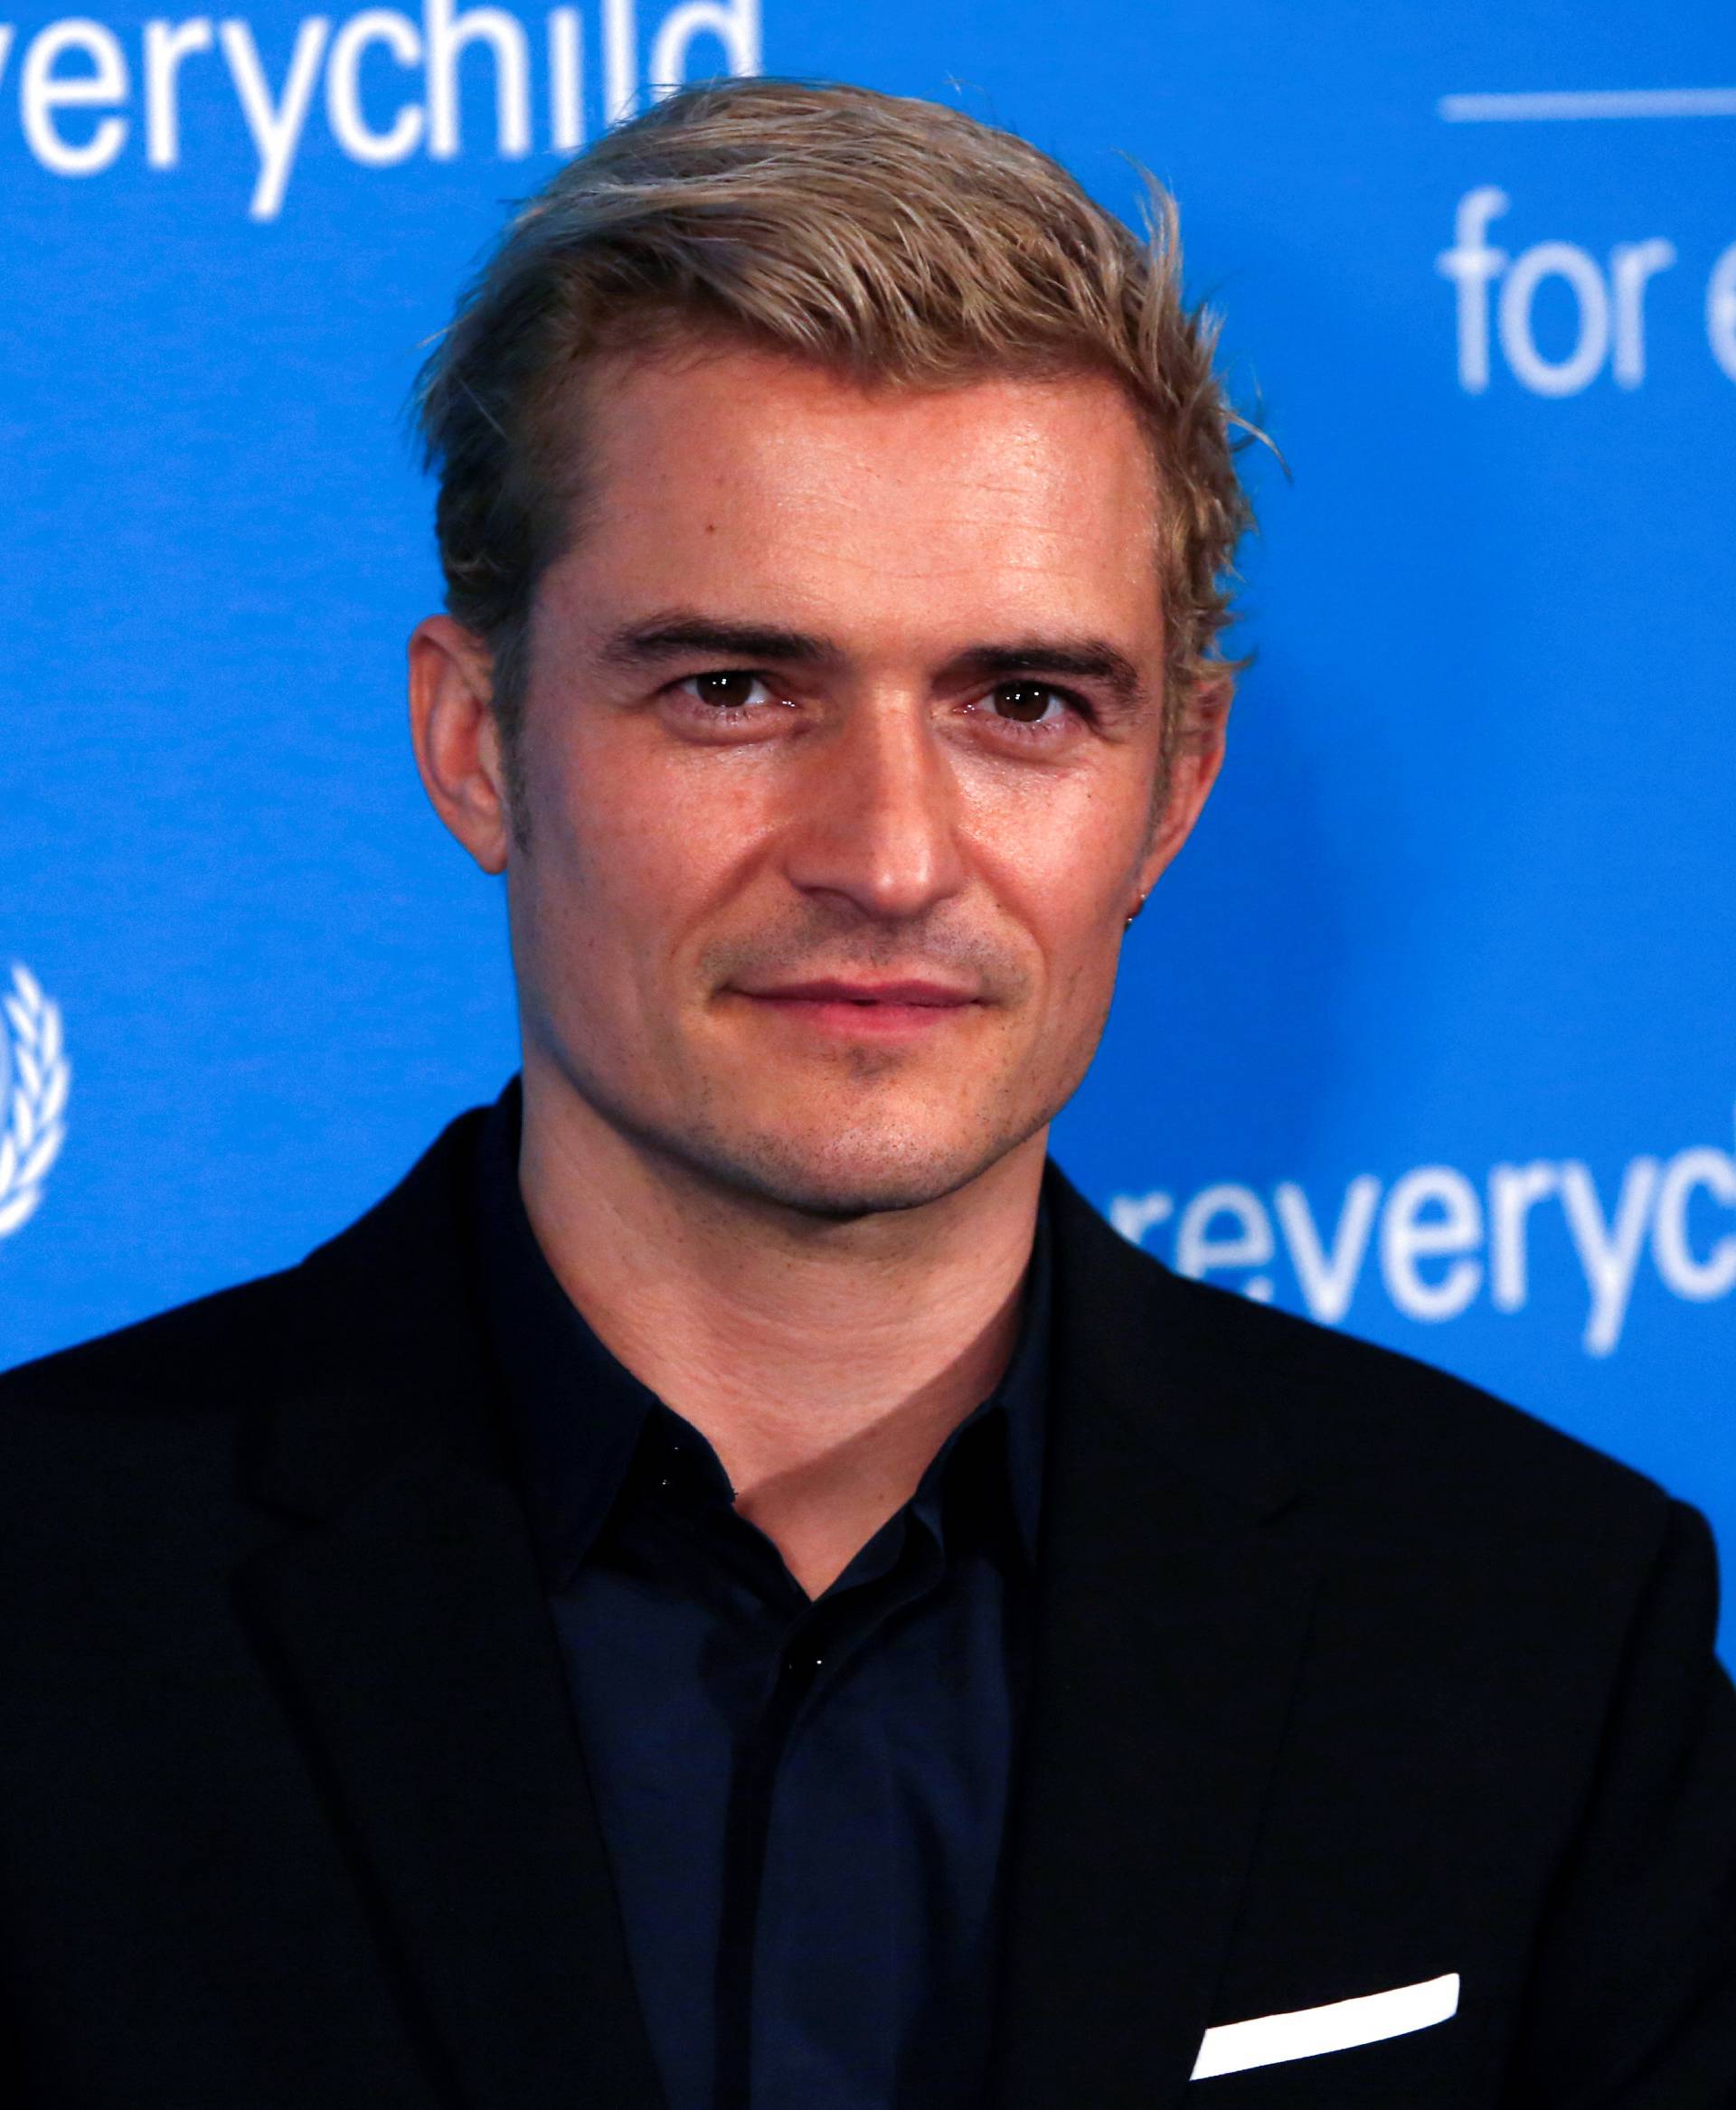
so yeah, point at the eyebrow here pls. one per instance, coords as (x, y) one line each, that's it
(1084, 659)
(678, 634)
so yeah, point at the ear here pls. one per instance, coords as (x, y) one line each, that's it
(1192, 771)
(456, 739)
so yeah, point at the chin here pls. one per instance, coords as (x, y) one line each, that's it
(852, 1173)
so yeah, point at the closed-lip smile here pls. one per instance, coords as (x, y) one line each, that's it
(848, 1007)
(932, 996)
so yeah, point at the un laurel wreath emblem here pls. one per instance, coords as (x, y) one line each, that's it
(37, 1080)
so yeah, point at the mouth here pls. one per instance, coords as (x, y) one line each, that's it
(856, 1006)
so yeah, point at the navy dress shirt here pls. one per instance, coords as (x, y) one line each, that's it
(803, 1800)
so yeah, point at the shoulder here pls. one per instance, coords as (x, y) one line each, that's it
(1390, 1428)
(184, 1383)
(1385, 1444)
(116, 1420)
(181, 1359)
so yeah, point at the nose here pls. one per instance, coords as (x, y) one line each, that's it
(878, 823)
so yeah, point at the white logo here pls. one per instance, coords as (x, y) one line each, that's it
(276, 90)
(1440, 1239)
(35, 1106)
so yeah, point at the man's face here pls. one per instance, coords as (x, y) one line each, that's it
(840, 749)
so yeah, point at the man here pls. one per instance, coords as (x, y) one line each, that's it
(731, 1587)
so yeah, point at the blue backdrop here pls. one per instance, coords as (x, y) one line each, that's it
(1430, 1033)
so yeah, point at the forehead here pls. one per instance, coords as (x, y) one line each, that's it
(751, 474)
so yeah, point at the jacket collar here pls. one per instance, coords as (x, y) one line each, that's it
(1175, 1587)
(413, 1647)
(406, 1630)
(1166, 1360)
(395, 1362)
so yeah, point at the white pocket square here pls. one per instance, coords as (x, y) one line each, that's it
(1231, 2046)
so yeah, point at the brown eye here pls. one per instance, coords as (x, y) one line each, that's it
(1023, 701)
(730, 688)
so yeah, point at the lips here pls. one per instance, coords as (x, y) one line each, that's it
(865, 994)
(854, 1009)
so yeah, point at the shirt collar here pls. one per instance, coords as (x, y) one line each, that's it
(580, 1415)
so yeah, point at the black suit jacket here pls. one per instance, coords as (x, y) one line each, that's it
(1348, 1678)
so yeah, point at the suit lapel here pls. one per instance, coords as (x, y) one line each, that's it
(408, 1632)
(1172, 1612)
(405, 1626)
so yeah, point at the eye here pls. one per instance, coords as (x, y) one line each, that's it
(726, 689)
(1033, 704)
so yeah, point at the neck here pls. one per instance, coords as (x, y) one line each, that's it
(825, 1360)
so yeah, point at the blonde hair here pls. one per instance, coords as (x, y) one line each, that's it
(895, 241)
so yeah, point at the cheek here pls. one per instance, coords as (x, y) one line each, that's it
(628, 851)
(1065, 851)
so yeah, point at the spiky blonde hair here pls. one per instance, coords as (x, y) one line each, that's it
(895, 241)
